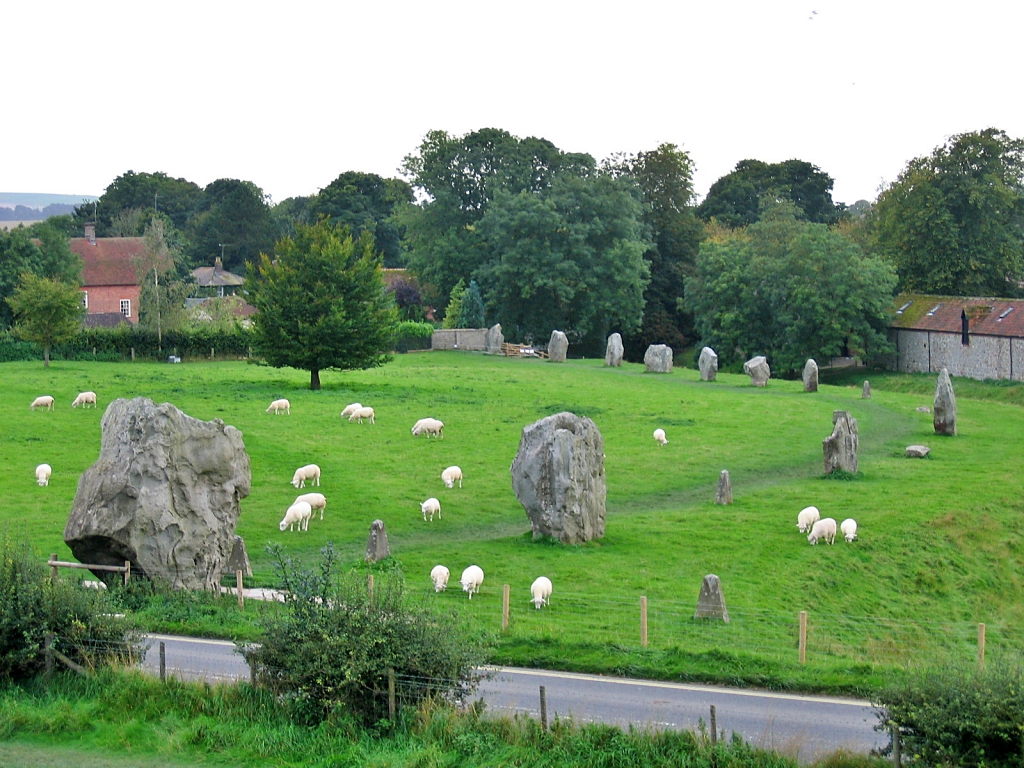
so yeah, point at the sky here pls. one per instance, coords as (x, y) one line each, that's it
(291, 94)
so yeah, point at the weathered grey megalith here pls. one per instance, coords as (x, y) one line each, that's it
(724, 493)
(613, 352)
(758, 371)
(918, 451)
(810, 376)
(558, 347)
(944, 407)
(377, 547)
(865, 393)
(163, 494)
(658, 359)
(493, 340)
(840, 448)
(558, 477)
(711, 602)
(708, 364)
(238, 560)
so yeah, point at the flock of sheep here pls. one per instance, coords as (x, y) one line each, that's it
(810, 521)
(84, 399)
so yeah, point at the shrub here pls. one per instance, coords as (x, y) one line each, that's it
(410, 335)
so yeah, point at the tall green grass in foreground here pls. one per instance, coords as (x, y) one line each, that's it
(940, 539)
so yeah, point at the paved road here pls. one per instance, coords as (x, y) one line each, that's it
(807, 727)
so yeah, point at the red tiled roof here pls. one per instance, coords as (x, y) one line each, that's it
(943, 313)
(109, 261)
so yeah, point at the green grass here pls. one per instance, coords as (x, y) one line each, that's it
(939, 548)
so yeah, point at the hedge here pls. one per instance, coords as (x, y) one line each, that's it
(116, 344)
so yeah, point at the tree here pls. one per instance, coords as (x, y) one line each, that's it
(18, 255)
(56, 260)
(789, 290)
(149, 192)
(162, 291)
(953, 222)
(46, 311)
(322, 303)
(233, 218)
(471, 307)
(454, 308)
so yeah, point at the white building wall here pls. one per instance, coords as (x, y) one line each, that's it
(986, 357)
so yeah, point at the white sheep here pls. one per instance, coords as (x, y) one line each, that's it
(309, 472)
(349, 409)
(439, 575)
(315, 500)
(808, 516)
(450, 475)
(299, 512)
(428, 426)
(431, 506)
(471, 579)
(84, 399)
(659, 435)
(280, 405)
(849, 529)
(823, 529)
(541, 591)
(43, 472)
(44, 401)
(361, 413)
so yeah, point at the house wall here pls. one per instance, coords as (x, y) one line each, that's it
(986, 357)
(107, 298)
(466, 339)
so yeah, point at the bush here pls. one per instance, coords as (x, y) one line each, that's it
(329, 653)
(411, 335)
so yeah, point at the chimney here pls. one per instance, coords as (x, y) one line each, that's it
(90, 232)
(218, 265)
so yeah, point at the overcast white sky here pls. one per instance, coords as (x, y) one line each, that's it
(290, 94)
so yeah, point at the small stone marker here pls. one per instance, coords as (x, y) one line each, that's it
(865, 393)
(377, 548)
(917, 451)
(923, 409)
(711, 603)
(724, 493)
(840, 448)
(558, 347)
(758, 371)
(613, 352)
(810, 376)
(708, 364)
(944, 408)
(493, 340)
(658, 358)
(238, 560)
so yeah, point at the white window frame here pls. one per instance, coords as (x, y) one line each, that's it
(85, 299)
(126, 307)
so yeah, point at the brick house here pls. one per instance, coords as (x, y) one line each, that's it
(110, 290)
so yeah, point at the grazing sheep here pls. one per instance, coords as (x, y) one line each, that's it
(349, 409)
(849, 529)
(428, 426)
(808, 516)
(823, 529)
(315, 500)
(361, 413)
(541, 591)
(431, 505)
(471, 579)
(439, 575)
(43, 472)
(45, 401)
(659, 435)
(450, 475)
(309, 472)
(280, 405)
(84, 399)
(299, 512)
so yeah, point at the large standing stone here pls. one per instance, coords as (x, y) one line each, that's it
(944, 407)
(493, 340)
(708, 364)
(558, 477)
(810, 376)
(724, 493)
(711, 602)
(613, 352)
(758, 371)
(918, 451)
(558, 347)
(163, 494)
(840, 448)
(865, 392)
(377, 547)
(658, 359)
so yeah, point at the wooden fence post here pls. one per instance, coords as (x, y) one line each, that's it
(211, 353)
(53, 568)
(369, 587)
(163, 662)
(48, 652)
(238, 589)
(897, 758)
(133, 354)
(392, 704)
(981, 647)
(127, 571)
(643, 621)
(803, 637)
(714, 726)
(504, 607)
(543, 708)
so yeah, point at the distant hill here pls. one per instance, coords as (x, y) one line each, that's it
(22, 213)
(39, 200)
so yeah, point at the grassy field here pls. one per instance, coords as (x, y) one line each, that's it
(940, 539)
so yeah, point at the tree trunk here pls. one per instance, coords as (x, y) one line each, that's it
(314, 379)
(46, 357)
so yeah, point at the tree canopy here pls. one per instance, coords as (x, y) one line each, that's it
(953, 222)
(47, 311)
(147, 192)
(322, 303)
(43, 251)
(233, 218)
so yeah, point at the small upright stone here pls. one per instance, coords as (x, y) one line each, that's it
(917, 451)
(865, 393)
(708, 364)
(840, 448)
(944, 408)
(810, 376)
(758, 371)
(493, 340)
(558, 347)
(377, 547)
(711, 603)
(658, 359)
(238, 560)
(613, 352)
(724, 493)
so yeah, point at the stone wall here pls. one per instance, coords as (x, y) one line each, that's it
(465, 339)
(986, 357)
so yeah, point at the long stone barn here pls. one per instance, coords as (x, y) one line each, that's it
(977, 338)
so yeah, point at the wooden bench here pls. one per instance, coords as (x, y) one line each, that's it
(521, 350)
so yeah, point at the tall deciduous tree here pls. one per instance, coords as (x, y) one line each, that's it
(47, 311)
(149, 192)
(322, 303)
(162, 291)
(953, 222)
(42, 250)
(233, 218)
